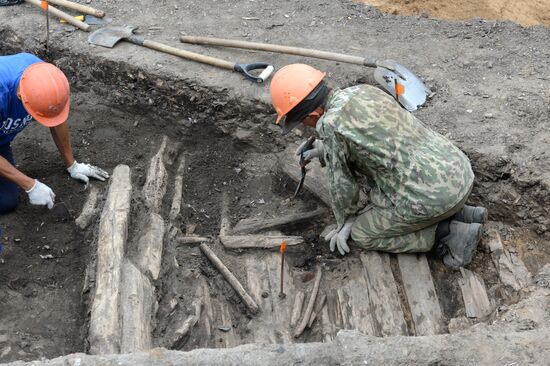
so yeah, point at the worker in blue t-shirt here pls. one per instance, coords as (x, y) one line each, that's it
(31, 88)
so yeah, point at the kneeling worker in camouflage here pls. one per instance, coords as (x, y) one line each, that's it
(419, 181)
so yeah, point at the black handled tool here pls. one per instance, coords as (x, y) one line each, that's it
(307, 146)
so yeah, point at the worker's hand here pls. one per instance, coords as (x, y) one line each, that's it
(40, 194)
(339, 238)
(82, 172)
(317, 150)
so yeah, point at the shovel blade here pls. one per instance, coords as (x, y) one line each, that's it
(91, 20)
(412, 94)
(109, 36)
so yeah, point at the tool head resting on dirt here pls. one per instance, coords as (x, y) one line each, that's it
(402, 84)
(110, 36)
(45, 93)
(291, 85)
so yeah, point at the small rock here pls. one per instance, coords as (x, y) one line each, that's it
(265, 294)
(224, 328)
(488, 115)
(47, 256)
(243, 134)
(469, 111)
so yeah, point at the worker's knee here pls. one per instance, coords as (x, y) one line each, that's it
(9, 197)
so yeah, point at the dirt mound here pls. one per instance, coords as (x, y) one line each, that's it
(524, 12)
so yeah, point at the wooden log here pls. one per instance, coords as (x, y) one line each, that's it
(421, 294)
(475, 297)
(318, 309)
(316, 181)
(178, 191)
(307, 315)
(263, 273)
(256, 224)
(385, 303)
(258, 241)
(104, 331)
(150, 246)
(155, 183)
(511, 270)
(180, 335)
(297, 308)
(230, 277)
(137, 298)
(191, 239)
(89, 209)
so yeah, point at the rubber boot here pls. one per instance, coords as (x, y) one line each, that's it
(470, 214)
(461, 243)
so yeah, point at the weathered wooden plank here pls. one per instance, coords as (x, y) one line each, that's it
(104, 331)
(178, 191)
(315, 181)
(155, 183)
(256, 224)
(421, 294)
(475, 297)
(89, 209)
(349, 306)
(258, 241)
(150, 246)
(511, 269)
(387, 316)
(137, 297)
(271, 325)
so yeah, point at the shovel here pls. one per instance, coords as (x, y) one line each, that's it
(110, 36)
(395, 78)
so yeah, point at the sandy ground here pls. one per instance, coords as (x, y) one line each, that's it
(491, 82)
(524, 12)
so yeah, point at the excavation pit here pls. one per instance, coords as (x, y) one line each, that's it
(229, 147)
(49, 267)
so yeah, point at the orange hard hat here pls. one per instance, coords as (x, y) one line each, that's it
(292, 84)
(45, 93)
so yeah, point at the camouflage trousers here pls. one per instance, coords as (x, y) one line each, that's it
(381, 228)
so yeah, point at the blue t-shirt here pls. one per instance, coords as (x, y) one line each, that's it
(13, 116)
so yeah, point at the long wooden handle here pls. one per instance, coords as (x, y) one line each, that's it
(280, 49)
(189, 55)
(62, 15)
(78, 7)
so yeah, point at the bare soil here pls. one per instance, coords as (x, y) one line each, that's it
(491, 85)
(524, 12)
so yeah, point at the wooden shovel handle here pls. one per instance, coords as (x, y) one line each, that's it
(280, 49)
(187, 54)
(79, 7)
(62, 15)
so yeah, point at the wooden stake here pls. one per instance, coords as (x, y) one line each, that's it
(297, 308)
(283, 250)
(309, 309)
(230, 277)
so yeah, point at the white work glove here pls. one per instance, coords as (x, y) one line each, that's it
(317, 150)
(40, 194)
(339, 238)
(82, 172)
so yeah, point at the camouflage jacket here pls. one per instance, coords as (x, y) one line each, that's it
(409, 168)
